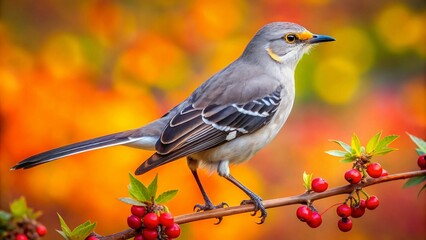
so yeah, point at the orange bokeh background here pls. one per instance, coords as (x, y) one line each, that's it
(73, 70)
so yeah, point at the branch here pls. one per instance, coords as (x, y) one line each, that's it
(272, 203)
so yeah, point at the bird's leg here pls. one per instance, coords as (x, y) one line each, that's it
(208, 204)
(254, 199)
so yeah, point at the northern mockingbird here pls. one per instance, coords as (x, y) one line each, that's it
(226, 120)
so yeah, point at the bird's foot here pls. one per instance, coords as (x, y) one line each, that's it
(210, 206)
(258, 206)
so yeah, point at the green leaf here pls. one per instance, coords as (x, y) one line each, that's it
(336, 153)
(414, 181)
(385, 142)
(421, 144)
(356, 145)
(166, 196)
(82, 231)
(307, 180)
(65, 229)
(372, 143)
(385, 150)
(19, 208)
(63, 234)
(131, 201)
(137, 190)
(348, 159)
(152, 188)
(4, 217)
(343, 145)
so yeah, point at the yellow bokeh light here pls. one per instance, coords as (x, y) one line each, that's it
(353, 44)
(336, 80)
(400, 28)
(62, 55)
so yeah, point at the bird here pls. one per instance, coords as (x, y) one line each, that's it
(226, 120)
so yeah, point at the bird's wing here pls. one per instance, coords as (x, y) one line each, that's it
(197, 128)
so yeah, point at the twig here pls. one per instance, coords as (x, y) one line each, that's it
(272, 203)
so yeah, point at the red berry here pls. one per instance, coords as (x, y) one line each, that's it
(319, 185)
(138, 236)
(353, 176)
(149, 234)
(92, 237)
(421, 161)
(384, 173)
(372, 202)
(374, 170)
(21, 236)
(362, 203)
(41, 230)
(304, 213)
(357, 212)
(139, 211)
(134, 222)
(343, 210)
(166, 219)
(173, 231)
(151, 220)
(345, 224)
(315, 220)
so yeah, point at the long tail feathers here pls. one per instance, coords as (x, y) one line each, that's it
(84, 146)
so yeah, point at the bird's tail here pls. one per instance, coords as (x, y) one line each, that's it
(84, 146)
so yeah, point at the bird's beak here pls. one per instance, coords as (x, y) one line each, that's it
(316, 38)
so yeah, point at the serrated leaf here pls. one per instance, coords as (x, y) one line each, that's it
(83, 230)
(372, 143)
(347, 160)
(137, 190)
(421, 144)
(356, 145)
(152, 188)
(166, 196)
(65, 229)
(307, 179)
(343, 145)
(385, 142)
(336, 153)
(414, 181)
(131, 201)
(385, 150)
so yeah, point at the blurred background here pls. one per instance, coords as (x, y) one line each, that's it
(73, 70)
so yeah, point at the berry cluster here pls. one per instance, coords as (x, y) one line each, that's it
(355, 209)
(361, 169)
(309, 215)
(26, 229)
(152, 223)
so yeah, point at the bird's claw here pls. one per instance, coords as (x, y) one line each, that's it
(209, 206)
(258, 206)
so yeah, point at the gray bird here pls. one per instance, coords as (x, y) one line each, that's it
(226, 120)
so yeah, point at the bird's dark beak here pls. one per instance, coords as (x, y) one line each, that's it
(316, 38)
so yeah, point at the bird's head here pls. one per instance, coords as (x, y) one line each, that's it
(283, 43)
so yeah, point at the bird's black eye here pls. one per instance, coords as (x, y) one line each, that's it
(290, 38)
